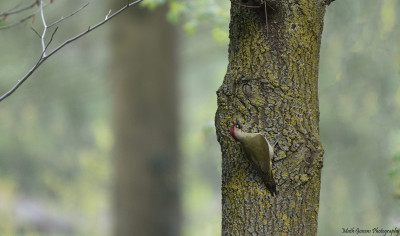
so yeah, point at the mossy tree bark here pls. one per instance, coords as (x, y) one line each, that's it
(272, 85)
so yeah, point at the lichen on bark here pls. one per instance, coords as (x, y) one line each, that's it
(271, 84)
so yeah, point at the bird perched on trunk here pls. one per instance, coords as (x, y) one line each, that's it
(259, 151)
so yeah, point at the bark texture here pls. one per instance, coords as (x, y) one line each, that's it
(271, 85)
(146, 197)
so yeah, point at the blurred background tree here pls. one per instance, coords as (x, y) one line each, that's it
(145, 111)
(57, 137)
(359, 101)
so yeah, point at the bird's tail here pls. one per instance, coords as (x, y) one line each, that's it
(270, 183)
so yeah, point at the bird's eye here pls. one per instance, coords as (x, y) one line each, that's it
(238, 126)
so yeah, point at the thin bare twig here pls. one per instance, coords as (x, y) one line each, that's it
(10, 11)
(66, 17)
(44, 57)
(35, 32)
(91, 28)
(108, 14)
(51, 38)
(15, 9)
(23, 19)
(34, 14)
(266, 16)
(44, 27)
(244, 5)
(18, 22)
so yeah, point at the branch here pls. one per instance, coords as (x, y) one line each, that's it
(44, 57)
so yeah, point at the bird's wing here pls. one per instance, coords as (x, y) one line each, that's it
(256, 147)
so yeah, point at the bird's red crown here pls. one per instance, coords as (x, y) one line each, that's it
(232, 132)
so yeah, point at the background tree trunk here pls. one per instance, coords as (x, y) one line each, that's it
(146, 198)
(272, 83)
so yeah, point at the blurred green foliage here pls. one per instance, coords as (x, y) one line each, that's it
(192, 14)
(56, 137)
(394, 173)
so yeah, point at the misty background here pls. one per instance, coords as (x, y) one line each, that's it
(57, 136)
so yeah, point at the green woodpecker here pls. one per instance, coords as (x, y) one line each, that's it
(259, 151)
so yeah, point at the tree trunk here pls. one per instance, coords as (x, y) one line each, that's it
(272, 84)
(146, 197)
